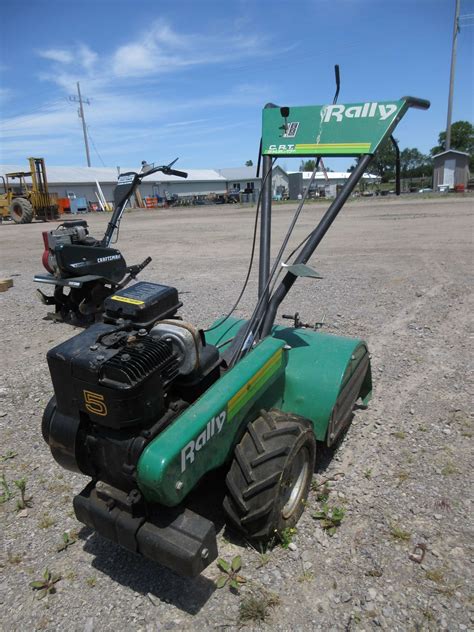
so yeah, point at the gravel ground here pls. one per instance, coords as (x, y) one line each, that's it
(396, 273)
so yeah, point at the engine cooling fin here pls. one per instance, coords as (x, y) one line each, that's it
(138, 360)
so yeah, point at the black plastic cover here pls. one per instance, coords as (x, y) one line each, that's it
(177, 537)
(143, 303)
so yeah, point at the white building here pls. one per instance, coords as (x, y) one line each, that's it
(81, 182)
(244, 180)
(325, 184)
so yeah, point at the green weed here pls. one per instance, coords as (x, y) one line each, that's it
(24, 502)
(449, 469)
(6, 493)
(230, 573)
(10, 454)
(398, 533)
(435, 575)
(46, 521)
(257, 606)
(46, 585)
(68, 540)
(330, 517)
(399, 434)
(286, 536)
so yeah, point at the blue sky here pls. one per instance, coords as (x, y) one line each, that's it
(189, 79)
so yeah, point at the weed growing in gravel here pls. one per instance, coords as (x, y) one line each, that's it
(10, 454)
(263, 559)
(322, 491)
(230, 573)
(24, 502)
(46, 585)
(6, 493)
(449, 469)
(435, 575)
(68, 540)
(448, 591)
(286, 536)
(331, 518)
(399, 434)
(374, 572)
(14, 558)
(398, 533)
(306, 576)
(257, 606)
(402, 477)
(428, 614)
(368, 474)
(46, 521)
(91, 581)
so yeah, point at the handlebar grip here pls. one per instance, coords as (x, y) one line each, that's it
(415, 102)
(174, 172)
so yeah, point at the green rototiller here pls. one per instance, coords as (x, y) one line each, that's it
(146, 404)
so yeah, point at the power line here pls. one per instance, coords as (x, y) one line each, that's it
(95, 148)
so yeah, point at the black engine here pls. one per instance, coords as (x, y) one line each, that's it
(119, 383)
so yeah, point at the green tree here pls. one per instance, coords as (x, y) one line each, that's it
(307, 165)
(414, 164)
(249, 163)
(383, 163)
(462, 139)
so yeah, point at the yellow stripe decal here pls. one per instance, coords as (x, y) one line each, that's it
(254, 384)
(125, 299)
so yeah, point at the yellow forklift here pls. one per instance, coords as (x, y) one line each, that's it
(23, 202)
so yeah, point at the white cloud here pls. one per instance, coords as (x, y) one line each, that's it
(161, 50)
(59, 55)
(87, 57)
(127, 112)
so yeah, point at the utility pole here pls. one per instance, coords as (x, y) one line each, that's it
(80, 112)
(451, 77)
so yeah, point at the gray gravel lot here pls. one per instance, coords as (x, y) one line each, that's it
(396, 273)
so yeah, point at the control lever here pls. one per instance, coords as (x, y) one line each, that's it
(133, 271)
(298, 323)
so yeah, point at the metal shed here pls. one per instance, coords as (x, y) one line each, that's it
(450, 170)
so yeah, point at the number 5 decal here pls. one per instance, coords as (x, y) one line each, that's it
(95, 403)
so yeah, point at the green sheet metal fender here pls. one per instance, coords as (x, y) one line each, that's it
(203, 437)
(319, 366)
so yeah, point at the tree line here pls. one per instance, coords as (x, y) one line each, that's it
(413, 163)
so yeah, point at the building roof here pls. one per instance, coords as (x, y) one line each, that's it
(104, 175)
(239, 173)
(451, 151)
(244, 173)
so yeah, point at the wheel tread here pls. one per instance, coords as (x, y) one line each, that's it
(254, 477)
(245, 466)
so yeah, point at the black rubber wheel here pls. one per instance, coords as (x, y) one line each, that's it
(269, 478)
(47, 418)
(21, 211)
